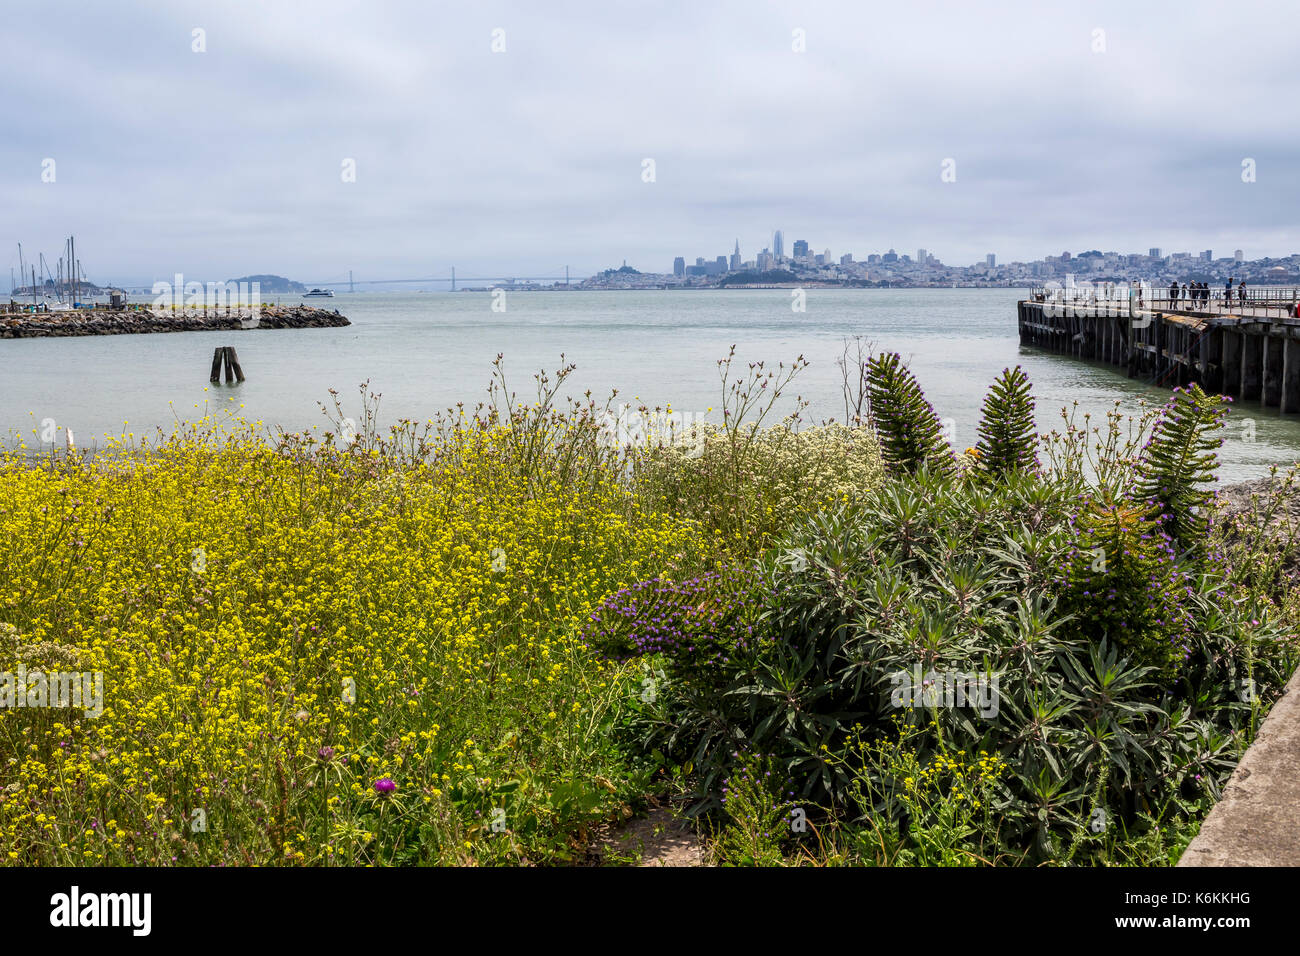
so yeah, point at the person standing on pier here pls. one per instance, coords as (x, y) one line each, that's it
(1227, 293)
(1173, 294)
(1241, 293)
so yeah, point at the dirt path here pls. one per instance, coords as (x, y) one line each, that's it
(660, 838)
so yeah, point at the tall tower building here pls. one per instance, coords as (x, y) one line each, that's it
(778, 245)
(679, 267)
(920, 257)
(735, 258)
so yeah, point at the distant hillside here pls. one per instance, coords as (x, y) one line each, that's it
(770, 276)
(269, 283)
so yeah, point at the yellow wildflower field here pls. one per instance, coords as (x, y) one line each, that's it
(308, 659)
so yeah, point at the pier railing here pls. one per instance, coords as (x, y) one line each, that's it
(1247, 349)
(1117, 298)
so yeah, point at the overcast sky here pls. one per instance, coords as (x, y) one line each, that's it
(231, 161)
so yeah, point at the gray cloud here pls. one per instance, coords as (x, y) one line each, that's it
(228, 161)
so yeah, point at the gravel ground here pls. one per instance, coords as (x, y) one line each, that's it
(1235, 499)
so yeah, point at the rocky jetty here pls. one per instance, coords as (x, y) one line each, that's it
(25, 325)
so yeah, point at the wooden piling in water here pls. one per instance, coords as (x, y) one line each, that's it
(1274, 350)
(1290, 376)
(1252, 366)
(1230, 344)
(225, 357)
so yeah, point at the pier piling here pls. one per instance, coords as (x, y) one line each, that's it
(226, 357)
(1247, 348)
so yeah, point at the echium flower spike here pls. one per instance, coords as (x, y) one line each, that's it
(910, 433)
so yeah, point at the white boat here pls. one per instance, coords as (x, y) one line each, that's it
(43, 303)
(319, 294)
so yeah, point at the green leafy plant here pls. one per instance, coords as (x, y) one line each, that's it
(909, 431)
(759, 819)
(1123, 581)
(1177, 468)
(1007, 439)
(1127, 679)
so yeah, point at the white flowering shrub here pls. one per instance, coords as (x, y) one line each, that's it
(747, 484)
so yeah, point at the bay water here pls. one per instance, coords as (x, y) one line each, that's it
(426, 351)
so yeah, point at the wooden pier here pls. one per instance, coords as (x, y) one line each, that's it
(1248, 348)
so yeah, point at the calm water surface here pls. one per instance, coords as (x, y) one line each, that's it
(426, 351)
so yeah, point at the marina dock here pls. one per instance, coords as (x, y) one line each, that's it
(1246, 348)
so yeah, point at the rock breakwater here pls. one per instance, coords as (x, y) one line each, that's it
(141, 321)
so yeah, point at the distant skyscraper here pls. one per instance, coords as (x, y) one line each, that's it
(735, 258)
(1154, 252)
(800, 248)
(679, 267)
(1208, 255)
(778, 245)
(920, 256)
(1238, 255)
(991, 261)
(722, 263)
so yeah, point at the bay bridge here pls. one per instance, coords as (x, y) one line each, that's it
(451, 279)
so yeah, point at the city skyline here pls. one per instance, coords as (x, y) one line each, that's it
(804, 254)
(805, 251)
